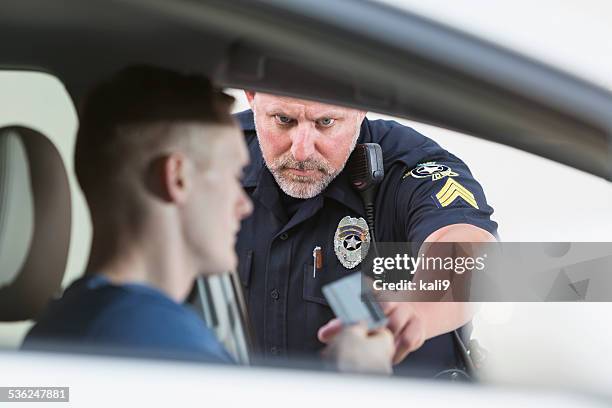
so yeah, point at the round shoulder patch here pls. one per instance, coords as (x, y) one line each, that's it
(431, 169)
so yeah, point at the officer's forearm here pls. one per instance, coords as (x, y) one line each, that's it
(443, 317)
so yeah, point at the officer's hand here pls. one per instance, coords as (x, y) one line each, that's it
(407, 327)
(353, 349)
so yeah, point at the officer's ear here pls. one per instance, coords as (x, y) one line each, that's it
(250, 95)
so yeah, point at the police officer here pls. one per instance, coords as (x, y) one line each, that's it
(301, 198)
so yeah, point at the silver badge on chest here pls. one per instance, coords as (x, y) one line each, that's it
(351, 241)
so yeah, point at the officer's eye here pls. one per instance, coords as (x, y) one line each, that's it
(283, 120)
(326, 122)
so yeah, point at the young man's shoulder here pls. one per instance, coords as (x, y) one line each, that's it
(125, 318)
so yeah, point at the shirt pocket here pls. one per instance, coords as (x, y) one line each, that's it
(315, 311)
(313, 285)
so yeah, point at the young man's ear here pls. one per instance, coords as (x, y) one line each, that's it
(168, 178)
(250, 95)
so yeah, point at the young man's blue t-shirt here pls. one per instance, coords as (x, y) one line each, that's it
(95, 315)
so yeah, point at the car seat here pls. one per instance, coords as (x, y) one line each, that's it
(35, 217)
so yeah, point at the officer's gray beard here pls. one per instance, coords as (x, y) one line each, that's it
(303, 186)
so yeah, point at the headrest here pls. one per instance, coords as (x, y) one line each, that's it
(34, 222)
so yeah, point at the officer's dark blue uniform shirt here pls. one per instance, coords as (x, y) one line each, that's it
(285, 301)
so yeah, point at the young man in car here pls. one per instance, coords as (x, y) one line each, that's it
(159, 159)
(303, 199)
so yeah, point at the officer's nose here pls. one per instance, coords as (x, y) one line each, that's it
(302, 143)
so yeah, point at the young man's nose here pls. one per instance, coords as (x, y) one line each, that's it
(302, 143)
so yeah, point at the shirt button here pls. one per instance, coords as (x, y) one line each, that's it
(274, 350)
(284, 236)
(275, 295)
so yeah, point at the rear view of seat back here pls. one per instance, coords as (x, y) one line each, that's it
(35, 216)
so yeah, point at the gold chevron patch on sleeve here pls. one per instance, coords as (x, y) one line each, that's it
(452, 190)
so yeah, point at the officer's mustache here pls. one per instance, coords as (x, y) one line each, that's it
(288, 162)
